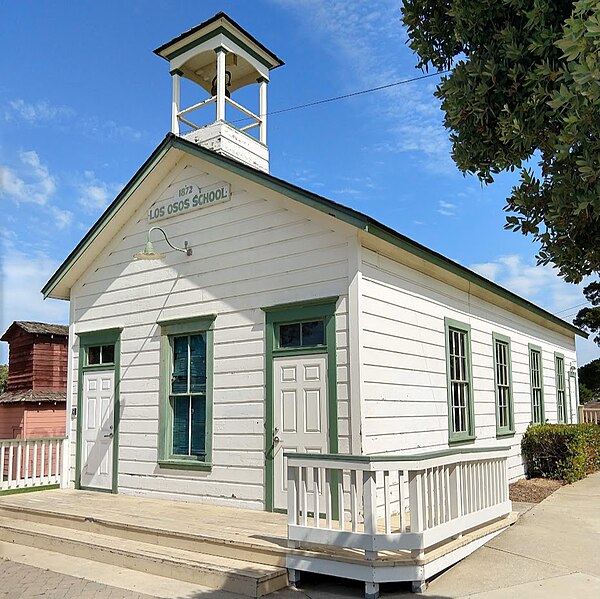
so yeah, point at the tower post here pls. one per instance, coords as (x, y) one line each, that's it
(176, 101)
(262, 109)
(221, 53)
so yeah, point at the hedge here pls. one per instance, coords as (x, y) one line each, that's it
(561, 451)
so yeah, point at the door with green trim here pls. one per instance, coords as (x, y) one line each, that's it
(97, 429)
(300, 414)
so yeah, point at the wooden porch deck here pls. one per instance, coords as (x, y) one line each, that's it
(169, 523)
(249, 543)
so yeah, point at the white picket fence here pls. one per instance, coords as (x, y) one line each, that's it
(31, 462)
(394, 503)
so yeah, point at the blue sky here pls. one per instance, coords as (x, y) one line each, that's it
(84, 101)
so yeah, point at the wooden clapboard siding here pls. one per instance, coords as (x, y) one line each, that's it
(20, 366)
(50, 361)
(44, 421)
(248, 253)
(403, 360)
(11, 421)
(37, 362)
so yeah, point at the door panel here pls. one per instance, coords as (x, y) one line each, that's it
(300, 406)
(97, 429)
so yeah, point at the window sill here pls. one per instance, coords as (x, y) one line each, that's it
(504, 434)
(185, 465)
(461, 440)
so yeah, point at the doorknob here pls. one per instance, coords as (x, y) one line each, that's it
(276, 438)
(109, 436)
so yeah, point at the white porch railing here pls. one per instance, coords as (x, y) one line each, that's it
(31, 462)
(589, 415)
(394, 503)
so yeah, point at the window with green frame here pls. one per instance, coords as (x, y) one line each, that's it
(186, 393)
(503, 385)
(536, 378)
(561, 398)
(460, 381)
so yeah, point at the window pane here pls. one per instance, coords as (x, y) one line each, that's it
(536, 386)
(181, 421)
(108, 354)
(459, 381)
(289, 335)
(198, 425)
(313, 333)
(180, 365)
(94, 355)
(197, 364)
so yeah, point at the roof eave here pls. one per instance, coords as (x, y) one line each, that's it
(139, 176)
(343, 213)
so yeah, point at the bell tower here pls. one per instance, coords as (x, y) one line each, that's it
(221, 57)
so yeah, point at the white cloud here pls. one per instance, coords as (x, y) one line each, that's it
(542, 286)
(36, 112)
(539, 284)
(370, 39)
(31, 182)
(446, 208)
(94, 194)
(63, 219)
(22, 276)
(41, 112)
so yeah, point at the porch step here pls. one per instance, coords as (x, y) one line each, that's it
(233, 575)
(114, 525)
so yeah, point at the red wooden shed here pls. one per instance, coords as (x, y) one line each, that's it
(33, 405)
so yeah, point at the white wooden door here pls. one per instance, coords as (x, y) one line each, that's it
(300, 410)
(97, 428)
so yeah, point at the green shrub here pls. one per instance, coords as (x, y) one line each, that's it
(561, 451)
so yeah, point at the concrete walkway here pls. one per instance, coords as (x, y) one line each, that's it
(552, 551)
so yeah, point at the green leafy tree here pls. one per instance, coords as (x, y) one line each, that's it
(3, 377)
(589, 318)
(589, 380)
(524, 87)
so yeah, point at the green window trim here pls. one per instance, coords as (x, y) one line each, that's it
(468, 435)
(560, 378)
(297, 312)
(535, 353)
(506, 429)
(86, 340)
(168, 330)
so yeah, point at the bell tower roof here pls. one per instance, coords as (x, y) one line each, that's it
(192, 53)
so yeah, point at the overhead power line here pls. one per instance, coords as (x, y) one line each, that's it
(571, 308)
(350, 95)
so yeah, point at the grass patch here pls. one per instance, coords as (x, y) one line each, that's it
(28, 490)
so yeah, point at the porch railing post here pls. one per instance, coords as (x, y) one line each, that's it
(415, 502)
(370, 509)
(292, 499)
(64, 463)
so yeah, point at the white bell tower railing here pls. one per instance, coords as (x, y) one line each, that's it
(221, 100)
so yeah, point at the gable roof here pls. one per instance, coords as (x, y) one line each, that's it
(343, 213)
(37, 328)
(165, 50)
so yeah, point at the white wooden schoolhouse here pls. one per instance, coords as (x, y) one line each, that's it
(237, 340)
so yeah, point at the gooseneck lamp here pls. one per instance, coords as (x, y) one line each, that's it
(150, 254)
